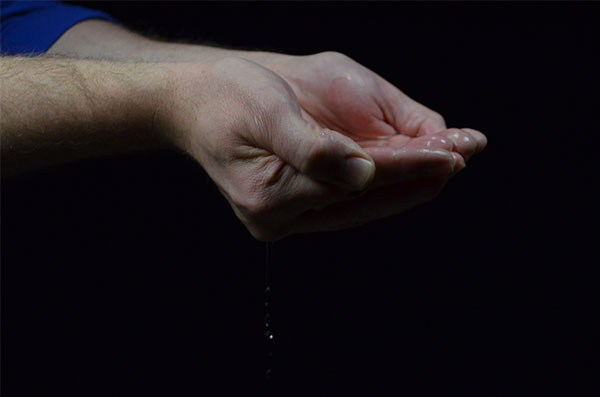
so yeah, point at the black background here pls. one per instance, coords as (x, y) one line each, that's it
(132, 276)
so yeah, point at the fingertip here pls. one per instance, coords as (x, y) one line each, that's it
(479, 137)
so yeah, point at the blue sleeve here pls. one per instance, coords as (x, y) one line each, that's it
(31, 27)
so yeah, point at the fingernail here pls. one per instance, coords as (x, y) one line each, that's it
(358, 172)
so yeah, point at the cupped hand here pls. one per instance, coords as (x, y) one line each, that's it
(415, 153)
(338, 93)
(294, 151)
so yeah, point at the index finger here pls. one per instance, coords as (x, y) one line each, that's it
(409, 116)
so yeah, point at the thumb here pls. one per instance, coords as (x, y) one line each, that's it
(323, 154)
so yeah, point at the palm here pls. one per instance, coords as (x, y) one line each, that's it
(338, 93)
(401, 135)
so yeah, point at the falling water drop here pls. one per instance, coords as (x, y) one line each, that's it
(269, 335)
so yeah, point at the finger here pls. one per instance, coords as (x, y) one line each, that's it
(409, 116)
(424, 121)
(479, 137)
(395, 140)
(439, 141)
(464, 142)
(373, 205)
(433, 141)
(409, 163)
(320, 153)
(452, 139)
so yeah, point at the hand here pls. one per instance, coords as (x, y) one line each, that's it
(243, 124)
(338, 93)
(279, 163)
(414, 152)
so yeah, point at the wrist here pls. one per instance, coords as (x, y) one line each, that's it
(136, 97)
(180, 88)
(154, 97)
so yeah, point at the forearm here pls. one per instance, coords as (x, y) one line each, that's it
(103, 40)
(56, 110)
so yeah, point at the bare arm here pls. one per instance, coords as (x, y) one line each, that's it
(56, 110)
(294, 143)
(97, 39)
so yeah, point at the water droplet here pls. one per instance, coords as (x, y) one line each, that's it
(268, 291)
(268, 374)
(269, 335)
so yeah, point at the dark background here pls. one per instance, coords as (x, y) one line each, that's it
(132, 276)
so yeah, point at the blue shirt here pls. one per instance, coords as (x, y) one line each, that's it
(31, 27)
